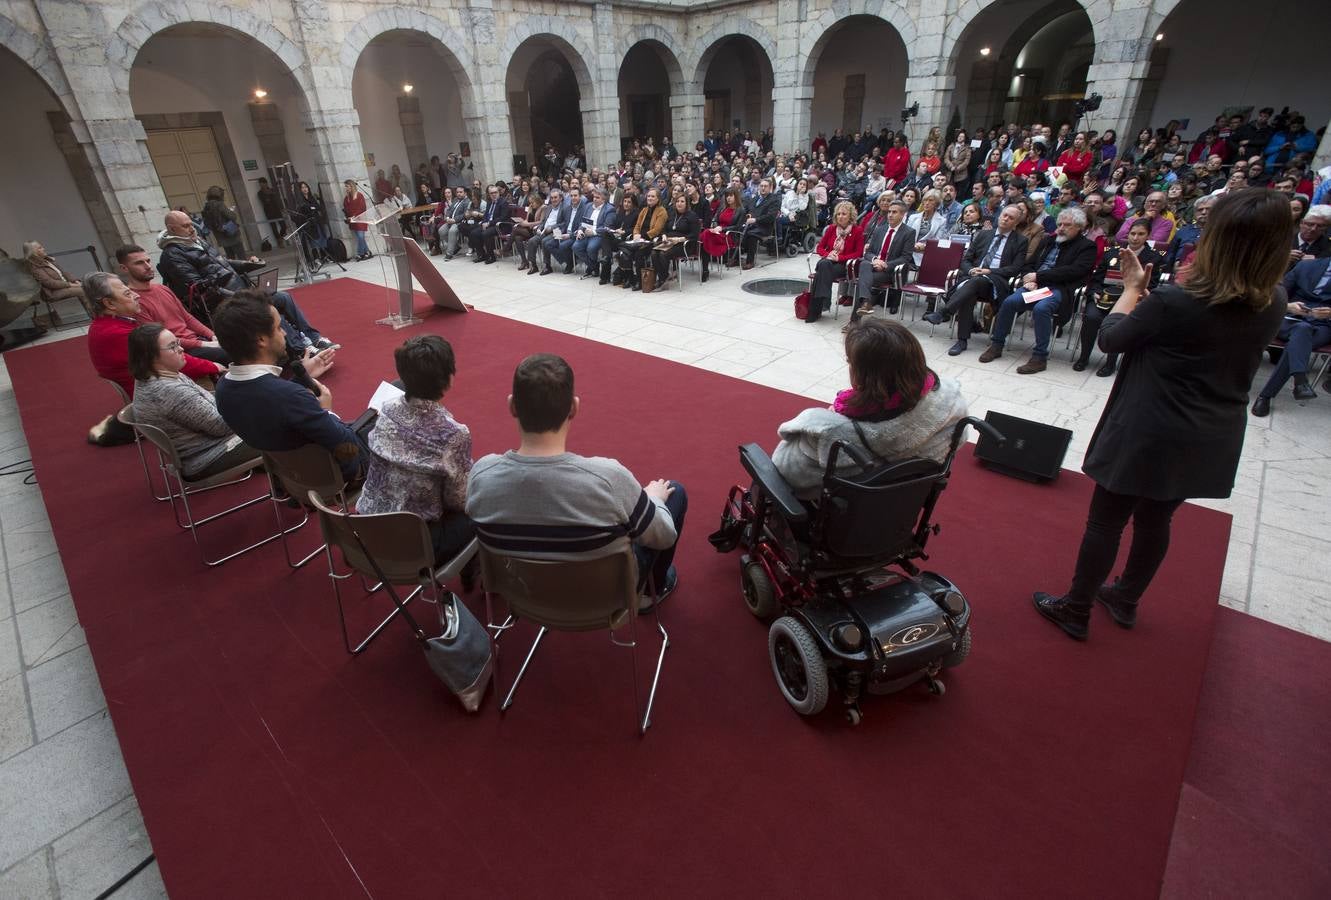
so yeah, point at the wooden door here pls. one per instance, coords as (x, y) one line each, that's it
(187, 164)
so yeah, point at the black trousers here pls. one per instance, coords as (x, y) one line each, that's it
(449, 535)
(1108, 515)
(870, 278)
(961, 303)
(752, 236)
(661, 260)
(824, 274)
(1091, 321)
(656, 563)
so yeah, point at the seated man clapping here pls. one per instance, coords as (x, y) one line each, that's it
(419, 454)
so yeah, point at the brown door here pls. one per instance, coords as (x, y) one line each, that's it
(187, 164)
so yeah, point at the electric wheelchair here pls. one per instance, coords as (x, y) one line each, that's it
(822, 570)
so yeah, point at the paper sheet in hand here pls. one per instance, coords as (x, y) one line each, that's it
(1037, 295)
(382, 394)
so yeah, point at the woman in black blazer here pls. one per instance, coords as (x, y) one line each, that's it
(681, 222)
(1174, 423)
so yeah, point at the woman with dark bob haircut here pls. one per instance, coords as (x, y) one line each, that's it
(420, 455)
(1173, 426)
(167, 398)
(896, 408)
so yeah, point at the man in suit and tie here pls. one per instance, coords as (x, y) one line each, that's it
(484, 233)
(992, 259)
(555, 223)
(561, 248)
(601, 218)
(1310, 240)
(1062, 263)
(1307, 326)
(761, 221)
(885, 251)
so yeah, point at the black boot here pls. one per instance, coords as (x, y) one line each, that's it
(1121, 608)
(1073, 618)
(605, 272)
(618, 278)
(704, 269)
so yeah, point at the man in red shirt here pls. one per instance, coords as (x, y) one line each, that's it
(108, 335)
(158, 304)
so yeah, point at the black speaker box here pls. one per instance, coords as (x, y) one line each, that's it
(1033, 451)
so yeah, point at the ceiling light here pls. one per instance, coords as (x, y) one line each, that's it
(1159, 35)
(984, 51)
(408, 88)
(260, 93)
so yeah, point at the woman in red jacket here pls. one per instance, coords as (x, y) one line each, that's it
(1034, 164)
(1076, 160)
(896, 164)
(843, 240)
(353, 204)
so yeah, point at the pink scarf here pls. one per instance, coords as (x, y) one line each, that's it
(849, 406)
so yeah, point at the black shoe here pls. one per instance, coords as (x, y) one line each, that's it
(1073, 620)
(704, 275)
(893, 310)
(477, 258)
(490, 260)
(1080, 365)
(322, 344)
(568, 270)
(1261, 407)
(547, 271)
(533, 270)
(934, 318)
(1304, 391)
(1107, 369)
(957, 349)
(1120, 608)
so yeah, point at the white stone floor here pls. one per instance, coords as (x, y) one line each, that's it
(69, 823)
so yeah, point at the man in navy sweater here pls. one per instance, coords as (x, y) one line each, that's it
(266, 410)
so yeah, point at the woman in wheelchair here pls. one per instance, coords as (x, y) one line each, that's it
(896, 408)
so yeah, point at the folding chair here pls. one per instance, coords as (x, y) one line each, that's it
(125, 415)
(938, 267)
(839, 285)
(686, 258)
(171, 467)
(298, 473)
(586, 595)
(400, 543)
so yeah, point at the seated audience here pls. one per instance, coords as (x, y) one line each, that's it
(419, 454)
(1105, 289)
(636, 246)
(1157, 217)
(895, 407)
(681, 230)
(591, 244)
(157, 304)
(167, 398)
(1305, 327)
(760, 223)
(188, 261)
(268, 411)
(718, 240)
(1062, 264)
(886, 251)
(1310, 239)
(992, 259)
(529, 502)
(841, 242)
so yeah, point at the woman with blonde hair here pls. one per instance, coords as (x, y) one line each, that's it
(1174, 423)
(55, 282)
(843, 240)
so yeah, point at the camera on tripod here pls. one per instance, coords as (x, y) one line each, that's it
(910, 112)
(1087, 104)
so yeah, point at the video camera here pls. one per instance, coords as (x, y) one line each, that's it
(910, 112)
(1087, 104)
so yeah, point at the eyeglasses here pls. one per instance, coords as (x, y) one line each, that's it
(174, 347)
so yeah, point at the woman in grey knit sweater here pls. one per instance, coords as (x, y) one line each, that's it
(168, 399)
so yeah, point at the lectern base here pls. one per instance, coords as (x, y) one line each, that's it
(396, 321)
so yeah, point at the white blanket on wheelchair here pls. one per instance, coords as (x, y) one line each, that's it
(924, 432)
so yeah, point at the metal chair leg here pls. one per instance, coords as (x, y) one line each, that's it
(341, 611)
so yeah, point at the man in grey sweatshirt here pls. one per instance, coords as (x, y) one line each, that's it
(542, 502)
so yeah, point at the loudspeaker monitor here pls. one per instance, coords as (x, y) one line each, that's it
(1033, 451)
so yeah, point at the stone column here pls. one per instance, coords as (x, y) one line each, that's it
(686, 115)
(792, 114)
(600, 123)
(108, 230)
(102, 122)
(926, 80)
(1121, 64)
(338, 155)
(489, 127)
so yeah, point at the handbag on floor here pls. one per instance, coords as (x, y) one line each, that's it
(648, 277)
(802, 302)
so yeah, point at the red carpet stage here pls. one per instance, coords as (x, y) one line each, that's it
(269, 763)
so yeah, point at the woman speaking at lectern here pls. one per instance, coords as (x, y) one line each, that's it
(1173, 426)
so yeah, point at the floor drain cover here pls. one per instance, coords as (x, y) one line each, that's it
(776, 287)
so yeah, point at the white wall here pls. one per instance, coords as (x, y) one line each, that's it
(1222, 54)
(383, 68)
(877, 53)
(180, 75)
(38, 199)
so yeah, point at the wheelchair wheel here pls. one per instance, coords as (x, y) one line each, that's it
(958, 656)
(798, 665)
(810, 242)
(792, 248)
(759, 594)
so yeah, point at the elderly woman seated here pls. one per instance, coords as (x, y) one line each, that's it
(168, 399)
(56, 284)
(896, 408)
(421, 455)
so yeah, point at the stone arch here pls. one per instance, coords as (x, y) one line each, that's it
(815, 33)
(710, 41)
(667, 48)
(569, 42)
(1097, 11)
(36, 54)
(150, 18)
(398, 18)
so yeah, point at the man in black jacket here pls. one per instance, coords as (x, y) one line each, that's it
(991, 260)
(885, 252)
(1063, 263)
(484, 234)
(761, 220)
(188, 260)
